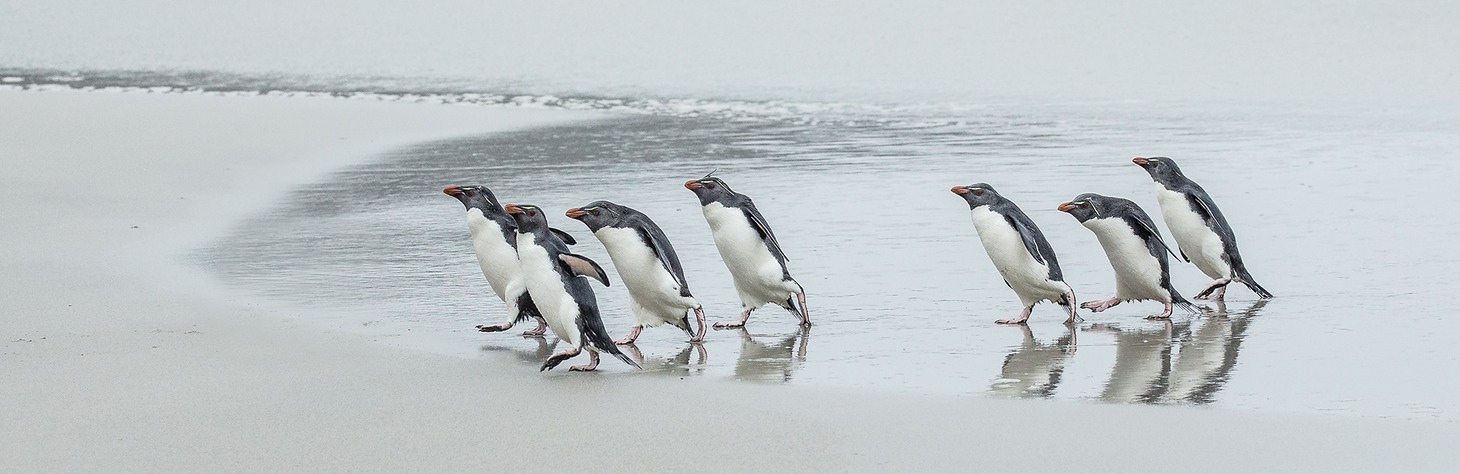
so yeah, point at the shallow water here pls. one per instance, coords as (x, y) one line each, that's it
(1338, 215)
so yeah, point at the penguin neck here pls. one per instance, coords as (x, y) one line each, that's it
(727, 199)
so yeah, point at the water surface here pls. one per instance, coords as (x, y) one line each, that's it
(1340, 215)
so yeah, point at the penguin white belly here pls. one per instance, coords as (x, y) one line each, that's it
(1028, 277)
(1137, 272)
(497, 258)
(757, 273)
(653, 290)
(1197, 241)
(540, 274)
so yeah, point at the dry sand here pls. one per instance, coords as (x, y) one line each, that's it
(119, 356)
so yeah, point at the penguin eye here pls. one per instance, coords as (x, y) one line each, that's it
(594, 212)
(977, 192)
(531, 212)
(710, 185)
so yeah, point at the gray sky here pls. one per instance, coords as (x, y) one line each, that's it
(1304, 51)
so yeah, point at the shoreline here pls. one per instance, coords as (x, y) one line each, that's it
(121, 358)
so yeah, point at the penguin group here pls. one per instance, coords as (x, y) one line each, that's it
(530, 267)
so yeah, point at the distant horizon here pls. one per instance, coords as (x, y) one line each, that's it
(1294, 52)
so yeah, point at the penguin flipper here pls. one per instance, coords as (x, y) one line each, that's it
(664, 254)
(564, 236)
(758, 222)
(1027, 234)
(1151, 229)
(583, 266)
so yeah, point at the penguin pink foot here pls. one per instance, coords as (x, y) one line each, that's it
(633, 336)
(699, 335)
(744, 315)
(1164, 314)
(494, 327)
(1097, 306)
(1021, 319)
(590, 366)
(540, 330)
(558, 358)
(1214, 291)
(805, 313)
(1069, 303)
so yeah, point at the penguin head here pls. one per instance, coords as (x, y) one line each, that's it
(1162, 169)
(474, 197)
(599, 214)
(1086, 206)
(529, 218)
(709, 189)
(977, 194)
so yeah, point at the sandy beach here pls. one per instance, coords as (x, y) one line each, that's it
(120, 355)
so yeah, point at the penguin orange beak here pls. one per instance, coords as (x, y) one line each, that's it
(960, 190)
(1140, 161)
(692, 184)
(575, 213)
(452, 190)
(512, 209)
(1066, 207)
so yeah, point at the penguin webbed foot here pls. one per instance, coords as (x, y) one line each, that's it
(744, 316)
(1022, 318)
(538, 331)
(494, 327)
(558, 358)
(699, 334)
(1097, 306)
(1162, 315)
(631, 337)
(590, 366)
(1215, 291)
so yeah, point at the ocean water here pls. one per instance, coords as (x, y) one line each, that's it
(1342, 213)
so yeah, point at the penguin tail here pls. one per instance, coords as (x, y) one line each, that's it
(1246, 278)
(526, 309)
(624, 357)
(591, 325)
(1182, 302)
(684, 324)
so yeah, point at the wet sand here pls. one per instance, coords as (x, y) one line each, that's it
(119, 355)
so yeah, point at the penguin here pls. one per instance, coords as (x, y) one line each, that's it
(749, 250)
(648, 266)
(566, 301)
(1018, 250)
(1201, 232)
(1135, 250)
(494, 237)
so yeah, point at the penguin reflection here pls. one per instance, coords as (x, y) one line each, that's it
(677, 365)
(1034, 369)
(534, 356)
(761, 362)
(1204, 356)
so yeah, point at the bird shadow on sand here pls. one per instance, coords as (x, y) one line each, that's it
(1187, 361)
(771, 359)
